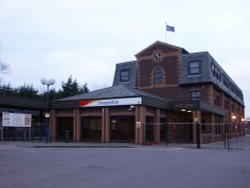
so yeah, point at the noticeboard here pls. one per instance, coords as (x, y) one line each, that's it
(16, 120)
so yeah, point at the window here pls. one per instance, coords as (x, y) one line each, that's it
(217, 129)
(225, 80)
(232, 108)
(217, 126)
(213, 67)
(217, 73)
(194, 67)
(217, 100)
(158, 76)
(226, 104)
(196, 95)
(124, 76)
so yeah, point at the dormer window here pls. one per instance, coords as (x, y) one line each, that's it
(124, 75)
(194, 67)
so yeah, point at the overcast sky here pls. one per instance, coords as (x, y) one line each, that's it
(86, 38)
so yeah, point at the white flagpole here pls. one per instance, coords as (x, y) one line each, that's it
(166, 32)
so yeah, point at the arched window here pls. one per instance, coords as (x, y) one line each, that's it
(158, 77)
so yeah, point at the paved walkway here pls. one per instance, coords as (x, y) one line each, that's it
(14, 145)
(242, 143)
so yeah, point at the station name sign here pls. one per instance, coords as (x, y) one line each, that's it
(111, 102)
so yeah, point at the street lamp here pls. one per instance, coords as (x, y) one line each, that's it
(47, 83)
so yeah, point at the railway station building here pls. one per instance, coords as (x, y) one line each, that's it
(155, 98)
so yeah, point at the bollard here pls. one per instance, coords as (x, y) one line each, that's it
(67, 136)
(198, 135)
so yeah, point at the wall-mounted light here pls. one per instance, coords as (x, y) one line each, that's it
(131, 107)
(47, 115)
(196, 119)
(233, 117)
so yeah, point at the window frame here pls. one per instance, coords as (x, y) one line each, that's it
(217, 99)
(196, 68)
(157, 76)
(122, 77)
(196, 98)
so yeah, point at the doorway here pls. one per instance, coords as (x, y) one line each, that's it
(91, 129)
(122, 129)
(64, 128)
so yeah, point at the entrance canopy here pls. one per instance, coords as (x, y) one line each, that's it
(121, 95)
(195, 105)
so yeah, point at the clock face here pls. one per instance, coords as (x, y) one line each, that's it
(157, 55)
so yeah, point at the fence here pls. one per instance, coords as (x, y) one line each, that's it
(35, 132)
(221, 136)
(174, 134)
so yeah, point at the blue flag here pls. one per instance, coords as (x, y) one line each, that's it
(170, 28)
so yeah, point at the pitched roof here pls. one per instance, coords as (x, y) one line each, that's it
(118, 91)
(162, 44)
(22, 102)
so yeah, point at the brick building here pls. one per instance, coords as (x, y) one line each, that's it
(165, 88)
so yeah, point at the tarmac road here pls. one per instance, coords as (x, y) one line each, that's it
(144, 167)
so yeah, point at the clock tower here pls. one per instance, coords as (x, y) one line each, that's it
(158, 68)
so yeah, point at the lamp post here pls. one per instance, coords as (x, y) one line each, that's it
(48, 83)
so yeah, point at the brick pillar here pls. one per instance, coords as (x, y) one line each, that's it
(222, 100)
(52, 125)
(196, 118)
(137, 126)
(77, 126)
(211, 95)
(212, 128)
(157, 126)
(140, 118)
(105, 125)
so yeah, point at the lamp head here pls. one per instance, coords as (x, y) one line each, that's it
(48, 82)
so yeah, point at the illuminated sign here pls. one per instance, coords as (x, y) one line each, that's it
(111, 102)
